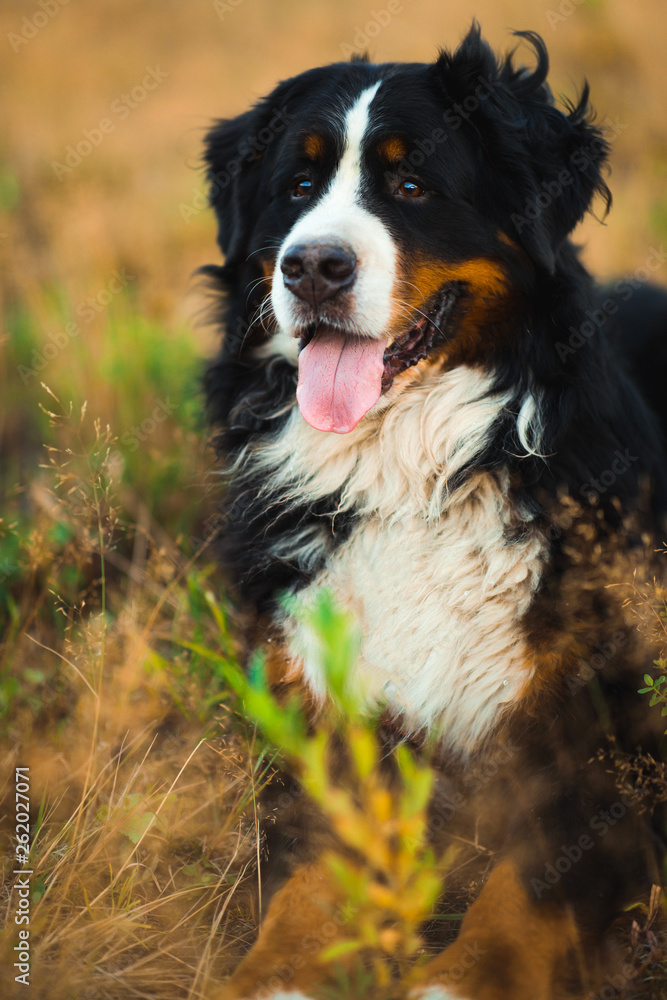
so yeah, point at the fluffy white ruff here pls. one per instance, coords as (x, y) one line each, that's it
(429, 572)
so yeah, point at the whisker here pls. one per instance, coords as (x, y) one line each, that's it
(253, 286)
(405, 306)
(257, 318)
(270, 246)
(404, 281)
(264, 310)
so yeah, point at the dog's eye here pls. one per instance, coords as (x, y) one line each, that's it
(410, 189)
(303, 187)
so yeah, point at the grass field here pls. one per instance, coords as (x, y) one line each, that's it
(142, 779)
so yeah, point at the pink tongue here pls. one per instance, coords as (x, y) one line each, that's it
(340, 378)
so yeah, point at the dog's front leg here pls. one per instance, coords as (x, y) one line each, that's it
(509, 948)
(304, 917)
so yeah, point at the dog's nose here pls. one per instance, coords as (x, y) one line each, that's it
(316, 272)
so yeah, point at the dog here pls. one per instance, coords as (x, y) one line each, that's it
(426, 405)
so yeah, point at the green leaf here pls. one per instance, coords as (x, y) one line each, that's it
(363, 747)
(257, 672)
(38, 889)
(339, 949)
(135, 826)
(34, 676)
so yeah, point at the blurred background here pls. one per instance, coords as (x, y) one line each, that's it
(105, 478)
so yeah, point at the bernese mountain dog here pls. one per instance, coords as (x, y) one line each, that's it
(426, 405)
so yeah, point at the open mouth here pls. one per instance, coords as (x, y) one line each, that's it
(415, 344)
(342, 375)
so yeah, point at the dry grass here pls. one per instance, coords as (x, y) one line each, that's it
(141, 790)
(142, 785)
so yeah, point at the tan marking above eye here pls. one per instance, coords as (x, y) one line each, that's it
(508, 241)
(313, 146)
(392, 149)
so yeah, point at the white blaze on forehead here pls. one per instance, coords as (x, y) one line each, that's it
(340, 216)
(347, 179)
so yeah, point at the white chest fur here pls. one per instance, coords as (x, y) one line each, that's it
(433, 577)
(439, 608)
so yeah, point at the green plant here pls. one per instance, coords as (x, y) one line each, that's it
(654, 688)
(385, 868)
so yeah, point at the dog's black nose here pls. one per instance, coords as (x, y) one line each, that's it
(316, 272)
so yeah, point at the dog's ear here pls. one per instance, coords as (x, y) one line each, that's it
(546, 163)
(233, 154)
(567, 153)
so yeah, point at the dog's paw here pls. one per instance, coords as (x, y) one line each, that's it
(288, 995)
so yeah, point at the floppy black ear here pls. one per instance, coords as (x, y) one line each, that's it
(546, 164)
(233, 152)
(567, 153)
